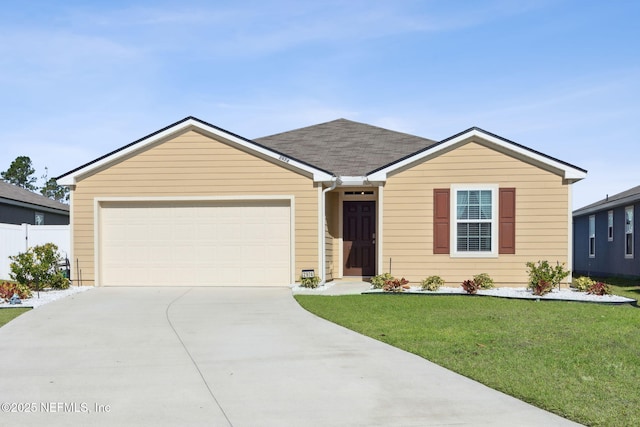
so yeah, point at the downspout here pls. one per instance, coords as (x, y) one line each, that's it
(323, 254)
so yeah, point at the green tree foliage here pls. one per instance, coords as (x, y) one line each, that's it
(20, 173)
(52, 190)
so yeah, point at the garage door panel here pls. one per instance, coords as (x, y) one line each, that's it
(226, 243)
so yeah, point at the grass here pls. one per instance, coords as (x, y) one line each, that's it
(580, 361)
(8, 314)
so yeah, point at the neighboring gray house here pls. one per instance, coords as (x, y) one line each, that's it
(20, 206)
(605, 236)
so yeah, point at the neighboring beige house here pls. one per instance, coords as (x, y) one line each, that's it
(193, 204)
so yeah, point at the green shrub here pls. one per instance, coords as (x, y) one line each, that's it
(396, 285)
(483, 280)
(582, 283)
(470, 287)
(543, 276)
(432, 283)
(309, 282)
(7, 289)
(599, 288)
(377, 282)
(37, 268)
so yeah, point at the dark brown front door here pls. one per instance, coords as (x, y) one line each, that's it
(358, 232)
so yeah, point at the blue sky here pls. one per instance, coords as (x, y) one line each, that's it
(80, 79)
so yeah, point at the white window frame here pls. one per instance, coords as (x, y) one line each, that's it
(592, 236)
(610, 226)
(455, 188)
(628, 230)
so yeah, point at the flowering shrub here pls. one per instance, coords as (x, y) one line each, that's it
(377, 282)
(483, 280)
(582, 283)
(396, 285)
(470, 287)
(7, 289)
(432, 283)
(542, 288)
(599, 288)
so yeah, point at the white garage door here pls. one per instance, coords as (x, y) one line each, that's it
(195, 244)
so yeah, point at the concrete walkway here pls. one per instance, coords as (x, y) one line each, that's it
(224, 357)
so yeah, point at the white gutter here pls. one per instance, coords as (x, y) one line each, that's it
(323, 218)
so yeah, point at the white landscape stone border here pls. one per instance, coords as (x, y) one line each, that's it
(524, 293)
(519, 293)
(46, 297)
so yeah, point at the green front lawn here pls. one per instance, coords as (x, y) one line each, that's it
(581, 361)
(8, 314)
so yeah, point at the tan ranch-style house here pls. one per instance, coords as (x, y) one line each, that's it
(193, 204)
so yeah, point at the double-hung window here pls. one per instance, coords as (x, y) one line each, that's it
(610, 226)
(592, 236)
(475, 210)
(628, 232)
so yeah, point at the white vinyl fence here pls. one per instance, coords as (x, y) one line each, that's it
(18, 238)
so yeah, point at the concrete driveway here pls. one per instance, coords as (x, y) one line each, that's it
(224, 357)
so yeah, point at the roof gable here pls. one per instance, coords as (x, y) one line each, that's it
(564, 169)
(345, 147)
(13, 194)
(184, 125)
(357, 153)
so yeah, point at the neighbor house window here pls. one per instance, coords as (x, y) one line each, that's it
(39, 218)
(628, 232)
(592, 236)
(610, 226)
(475, 220)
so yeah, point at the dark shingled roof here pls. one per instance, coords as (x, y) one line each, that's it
(18, 194)
(345, 148)
(627, 197)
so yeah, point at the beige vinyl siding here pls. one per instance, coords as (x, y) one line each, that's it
(542, 203)
(192, 164)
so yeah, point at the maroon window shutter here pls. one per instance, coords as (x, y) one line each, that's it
(507, 221)
(441, 210)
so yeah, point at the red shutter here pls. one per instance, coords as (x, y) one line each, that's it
(441, 210)
(507, 221)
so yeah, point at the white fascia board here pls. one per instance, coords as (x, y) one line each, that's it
(568, 172)
(352, 181)
(318, 175)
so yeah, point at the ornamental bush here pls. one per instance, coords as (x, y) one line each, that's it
(37, 268)
(599, 288)
(542, 288)
(396, 285)
(377, 282)
(483, 280)
(470, 287)
(543, 277)
(582, 283)
(7, 289)
(432, 283)
(309, 282)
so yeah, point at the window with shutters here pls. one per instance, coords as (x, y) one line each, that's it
(474, 220)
